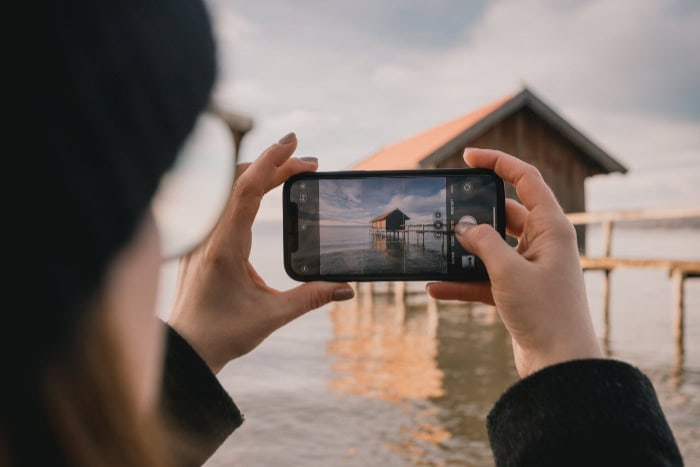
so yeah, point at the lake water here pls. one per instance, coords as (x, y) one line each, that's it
(369, 382)
(353, 249)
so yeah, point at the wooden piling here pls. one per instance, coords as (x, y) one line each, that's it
(677, 281)
(606, 310)
(607, 238)
(678, 270)
(399, 291)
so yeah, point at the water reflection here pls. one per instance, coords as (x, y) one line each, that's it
(443, 367)
(385, 349)
(394, 248)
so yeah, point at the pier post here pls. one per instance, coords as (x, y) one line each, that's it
(606, 310)
(607, 238)
(367, 295)
(607, 249)
(433, 306)
(399, 292)
(678, 282)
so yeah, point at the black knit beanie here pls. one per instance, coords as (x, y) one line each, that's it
(122, 82)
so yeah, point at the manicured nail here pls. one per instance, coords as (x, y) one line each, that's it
(462, 227)
(343, 293)
(464, 155)
(288, 138)
(310, 159)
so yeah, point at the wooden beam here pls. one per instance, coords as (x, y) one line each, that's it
(577, 218)
(686, 267)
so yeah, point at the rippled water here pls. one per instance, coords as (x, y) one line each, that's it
(353, 250)
(369, 382)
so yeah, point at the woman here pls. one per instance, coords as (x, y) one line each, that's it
(83, 353)
(125, 83)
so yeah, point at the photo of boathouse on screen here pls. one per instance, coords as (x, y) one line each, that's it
(399, 225)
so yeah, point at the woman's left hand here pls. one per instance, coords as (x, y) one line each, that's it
(223, 307)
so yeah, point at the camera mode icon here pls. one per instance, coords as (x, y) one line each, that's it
(468, 261)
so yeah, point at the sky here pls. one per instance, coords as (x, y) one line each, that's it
(355, 201)
(352, 77)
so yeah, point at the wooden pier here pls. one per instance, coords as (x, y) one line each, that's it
(678, 271)
(418, 230)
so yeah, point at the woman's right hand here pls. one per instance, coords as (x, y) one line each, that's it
(538, 286)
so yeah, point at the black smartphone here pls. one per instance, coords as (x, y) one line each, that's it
(387, 225)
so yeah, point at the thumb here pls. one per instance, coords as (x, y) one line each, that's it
(312, 295)
(487, 244)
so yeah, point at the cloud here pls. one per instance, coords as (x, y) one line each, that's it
(352, 78)
(419, 208)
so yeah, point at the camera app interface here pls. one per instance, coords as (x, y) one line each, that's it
(394, 225)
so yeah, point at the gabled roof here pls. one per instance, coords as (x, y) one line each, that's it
(433, 146)
(386, 214)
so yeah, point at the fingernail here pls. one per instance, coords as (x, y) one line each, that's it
(309, 159)
(343, 293)
(288, 138)
(462, 227)
(464, 155)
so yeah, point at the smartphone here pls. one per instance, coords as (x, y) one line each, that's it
(387, 225)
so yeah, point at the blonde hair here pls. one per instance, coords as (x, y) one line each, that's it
(88, 411)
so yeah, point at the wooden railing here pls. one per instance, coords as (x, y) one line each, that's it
(679, 271)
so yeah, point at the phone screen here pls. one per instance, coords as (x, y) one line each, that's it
(379, 226)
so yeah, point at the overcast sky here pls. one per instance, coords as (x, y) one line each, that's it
(352, 77)
(359, 201)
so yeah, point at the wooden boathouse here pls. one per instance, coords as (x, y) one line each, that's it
(389, 223)
(523, 125)
(520, 124)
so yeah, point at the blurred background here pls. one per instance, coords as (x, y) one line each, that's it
(397, 379)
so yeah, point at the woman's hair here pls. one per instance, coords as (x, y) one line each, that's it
(122, 84)
(125, 81)
(82, 411)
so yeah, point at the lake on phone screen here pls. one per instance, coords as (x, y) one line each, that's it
(369, 382)
(352, 249)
